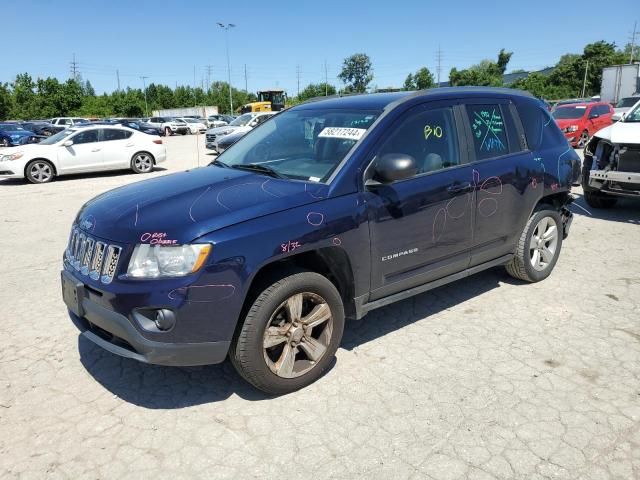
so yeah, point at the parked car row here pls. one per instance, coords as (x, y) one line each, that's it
(83, 148)
(216, 138)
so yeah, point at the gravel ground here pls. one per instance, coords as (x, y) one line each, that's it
(484, 378)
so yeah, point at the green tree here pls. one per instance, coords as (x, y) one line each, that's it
(486, 73)
(24, 97)
(316, 90)
(421, 80)
(357, 72)
(6, 101)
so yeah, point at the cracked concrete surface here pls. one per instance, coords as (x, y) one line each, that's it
(486, 378)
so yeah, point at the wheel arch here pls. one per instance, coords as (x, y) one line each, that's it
(49, 161)
(331, 262)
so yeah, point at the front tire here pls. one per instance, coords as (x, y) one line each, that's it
(167, 132)
(142, 162)
(538, 248)
(39, 171)
(598, 200)
(583, 139)
(290, 334)
(5, 142)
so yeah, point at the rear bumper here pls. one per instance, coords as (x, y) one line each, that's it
(115, 333)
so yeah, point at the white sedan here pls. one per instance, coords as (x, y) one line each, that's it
(83, 149)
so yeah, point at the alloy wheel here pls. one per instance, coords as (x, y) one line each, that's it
(583, 140)
(543, 244)
(41, 172)
(143, 162)
(298, 335)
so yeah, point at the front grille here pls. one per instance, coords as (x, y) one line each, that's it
(91, 257)
(211, 137)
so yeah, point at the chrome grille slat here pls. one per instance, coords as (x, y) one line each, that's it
(97, 259)
(110, 264)
(96, 262)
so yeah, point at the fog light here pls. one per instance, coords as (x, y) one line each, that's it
(165, 319)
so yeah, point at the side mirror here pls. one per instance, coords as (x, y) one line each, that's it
(594, 115)
(68, 143)
(395, 166)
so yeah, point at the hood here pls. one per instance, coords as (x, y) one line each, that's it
(184, 206)
(224, 128)
(17, 133)
(565, 122)
(621, 132)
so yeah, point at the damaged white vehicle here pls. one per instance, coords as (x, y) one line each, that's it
(611, 167)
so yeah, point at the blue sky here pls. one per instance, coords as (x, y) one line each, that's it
(165, 40)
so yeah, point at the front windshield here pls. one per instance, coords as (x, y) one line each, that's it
(627, 102)
(634, 115)
(242, 120)
(53, 139)
(302, 144)
(569, 112)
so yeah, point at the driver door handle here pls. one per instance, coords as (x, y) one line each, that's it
(96, 149)
(459, 187)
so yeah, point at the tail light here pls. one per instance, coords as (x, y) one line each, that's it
(158, 141)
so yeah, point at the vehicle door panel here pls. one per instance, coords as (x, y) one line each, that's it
(83, 156)
(421, 228)
(505, 177)
(117, 150)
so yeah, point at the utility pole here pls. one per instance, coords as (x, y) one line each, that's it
(226, 31)
(118, 78)
(246, 89)
(326, 79)
(146, 106)
(584, 83)
(298, 75)
(74, 68)
(633, 40)
(439, 60)
(209, 70)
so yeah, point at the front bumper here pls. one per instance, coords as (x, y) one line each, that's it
(624, 184)
(116, 333)
(11, 169)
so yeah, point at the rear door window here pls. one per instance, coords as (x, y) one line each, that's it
(488, 130)
(109, 134)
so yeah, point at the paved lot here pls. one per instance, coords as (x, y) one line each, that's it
(484, 378)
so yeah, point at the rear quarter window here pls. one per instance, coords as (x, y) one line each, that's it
(540, 128)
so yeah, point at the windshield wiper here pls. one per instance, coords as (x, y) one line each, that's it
(220, 163)
(260, 168)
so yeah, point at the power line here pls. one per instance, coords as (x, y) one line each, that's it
(439, 60)
(209, 70)
(633, 40)
(74, 68)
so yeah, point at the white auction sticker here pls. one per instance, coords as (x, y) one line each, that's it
(341, 132)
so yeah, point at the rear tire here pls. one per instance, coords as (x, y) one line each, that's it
(290, 334)
(142, 162)
(167, 132)
(39, 171)
(5, 142)
(538, 248)
(599, 200)
(583, 139)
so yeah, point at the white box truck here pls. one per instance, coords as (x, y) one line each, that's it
(619, 81)
(200, 112)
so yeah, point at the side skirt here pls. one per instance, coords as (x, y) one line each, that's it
(363, 307)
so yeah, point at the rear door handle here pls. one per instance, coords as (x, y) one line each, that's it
(459, 187)
(129, 144)
(96, 149)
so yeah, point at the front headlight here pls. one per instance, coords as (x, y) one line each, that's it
(12, 156)
(159, 261)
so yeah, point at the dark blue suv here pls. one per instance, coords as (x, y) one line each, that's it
(328, 210)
